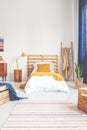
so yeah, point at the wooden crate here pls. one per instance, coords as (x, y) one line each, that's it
(4, 95)
(82, 99)
(3, 88)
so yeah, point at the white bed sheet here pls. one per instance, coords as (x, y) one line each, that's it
(41, 95)
(45, 84)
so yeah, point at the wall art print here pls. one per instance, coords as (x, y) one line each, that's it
(1, 44)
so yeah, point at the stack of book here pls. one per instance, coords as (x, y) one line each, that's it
(4, 94)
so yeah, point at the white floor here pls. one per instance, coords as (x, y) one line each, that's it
(6, 108)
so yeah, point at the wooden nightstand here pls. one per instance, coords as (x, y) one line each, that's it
(3, 70)
(18, 75)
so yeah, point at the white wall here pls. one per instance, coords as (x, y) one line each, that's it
(35, 26)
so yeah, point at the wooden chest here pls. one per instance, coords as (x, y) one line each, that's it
(4, 95)
(82, 99)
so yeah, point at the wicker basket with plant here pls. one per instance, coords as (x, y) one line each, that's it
(78, 70)
(79, 78)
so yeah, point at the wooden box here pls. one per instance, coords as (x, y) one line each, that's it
(4, 95)
(82, 99)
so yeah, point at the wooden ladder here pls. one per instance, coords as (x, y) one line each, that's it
(71, 60)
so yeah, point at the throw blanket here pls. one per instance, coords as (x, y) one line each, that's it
(56, 76)
(66, 65)
(13, 94)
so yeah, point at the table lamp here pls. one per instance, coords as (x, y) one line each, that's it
(22, 55)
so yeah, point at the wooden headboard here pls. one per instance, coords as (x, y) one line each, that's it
(31, 59)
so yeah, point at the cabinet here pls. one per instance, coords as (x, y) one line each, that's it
(17, 75)
(3, 70)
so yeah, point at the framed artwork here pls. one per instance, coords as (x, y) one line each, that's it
(1, 44)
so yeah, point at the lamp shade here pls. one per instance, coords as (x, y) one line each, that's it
(23, 54)
(1, 58)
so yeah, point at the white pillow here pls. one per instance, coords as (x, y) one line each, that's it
(42, 62)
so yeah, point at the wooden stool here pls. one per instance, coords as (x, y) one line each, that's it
(82, 99)
(18, 75)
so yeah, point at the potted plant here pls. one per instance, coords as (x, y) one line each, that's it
(79, 78)
(78, 70)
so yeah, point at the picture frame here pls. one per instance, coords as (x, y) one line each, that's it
(1, 44)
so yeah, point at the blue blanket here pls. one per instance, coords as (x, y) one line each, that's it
(13, 94)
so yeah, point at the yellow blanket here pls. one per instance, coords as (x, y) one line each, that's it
(56, 76)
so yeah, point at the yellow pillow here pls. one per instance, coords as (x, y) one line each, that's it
(43, 68)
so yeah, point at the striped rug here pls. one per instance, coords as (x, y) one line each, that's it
(45, 115)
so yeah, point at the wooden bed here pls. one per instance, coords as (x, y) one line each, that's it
(31, 59)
